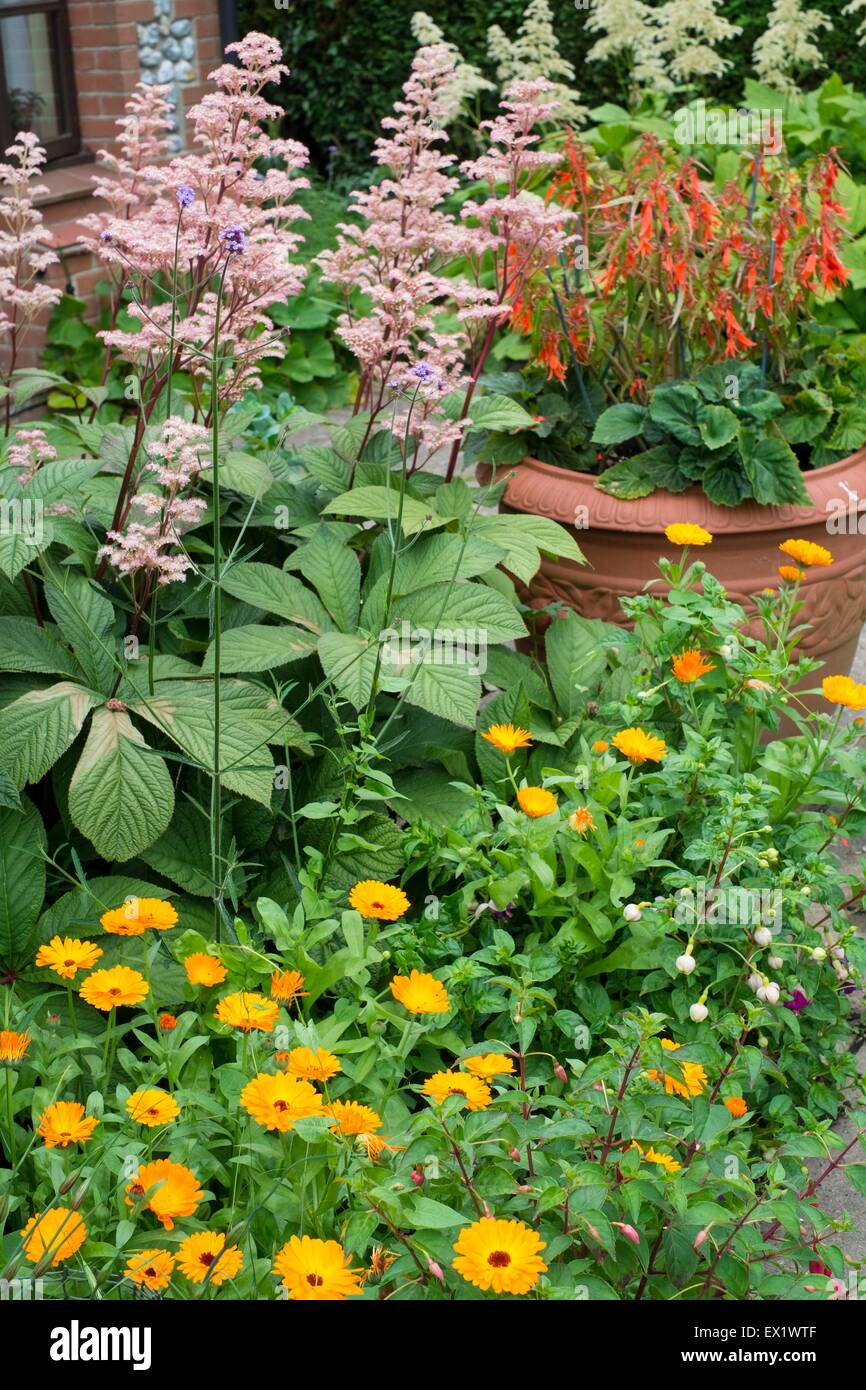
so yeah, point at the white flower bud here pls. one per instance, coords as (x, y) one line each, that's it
(631, 912)
(819, 953)
(686, 964)
(769, 994)
(839, 952)
(775, 962)
(754, 982)
(698, 1012)
(762, 937)
(726, 651)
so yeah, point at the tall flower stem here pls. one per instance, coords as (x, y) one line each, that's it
(13, 1158)
(216, 624)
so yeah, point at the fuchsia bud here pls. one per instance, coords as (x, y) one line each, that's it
(559, 1072)
(515, 1154)
(699, 1239)
(628, 1231)
(487, 1212)
(435, 1270)
(417, 1177)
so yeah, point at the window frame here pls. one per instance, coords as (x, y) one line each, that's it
(69, 143)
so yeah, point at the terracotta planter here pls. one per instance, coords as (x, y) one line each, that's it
(623, 540)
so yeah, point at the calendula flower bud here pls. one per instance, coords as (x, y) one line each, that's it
(769, 993)
(762, 937)
(772, 854)
(698, 1012)
(819, 953)
(763, 863)
(67, 1184)
(631, 912)
(628, 1231)
(686, 964)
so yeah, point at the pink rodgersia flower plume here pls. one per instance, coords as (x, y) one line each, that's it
(25, 252)
(28, 451)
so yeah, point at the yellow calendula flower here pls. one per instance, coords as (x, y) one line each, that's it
(806, 552)
(58, 1232)
(381, 901)
(694, 1078)
(536, 802)
(374, 1146)
(639, 746)
(114, 988)
(352, 1118)
(420, 993)
(246, 1011)
(287, 986)
(442, 1084)
(507, 737)
(277, 1102)
(63, 1123)
(172, 1190)
(139, 914)
(489, 1064)
(13, 1046)
(320, 1065)
(690, 665)
(790, 573)
(581, 820)
(152, 1107)
(842, 690)
(317, 1270)
(67, 956)
(503, 1256)
(152, 1268)
(652, 1155)
(684, 533)
(206, 1250)
(204, 969)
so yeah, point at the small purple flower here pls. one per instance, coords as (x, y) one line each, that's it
(422, 371)
(797, 1002)
(185, 195)
(234, 238)
(105, 237)
(503, 914)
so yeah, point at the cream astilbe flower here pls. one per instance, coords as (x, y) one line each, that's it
(689, 31)
(787, 47)
(467, 81)
(535, 53)
(853, 8)
(629, 29)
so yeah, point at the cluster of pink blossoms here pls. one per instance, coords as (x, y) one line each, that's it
(25, 252)
(28, 451)
(153, 546)
(203, 225)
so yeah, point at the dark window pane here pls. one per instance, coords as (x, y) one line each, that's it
(29, 71)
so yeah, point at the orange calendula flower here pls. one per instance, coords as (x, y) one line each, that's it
(380, 1262)
(639, 746)
(287, 986)
(13, 1046)
(171, 1190)
(507, 737)
(653, 1156)
(489, 1064)
(842, 690)
(442, 1084)
(137, 915)
(64, 1123)
(204, 969)
(694, 1078)
(374, 1146)
(58, 1232)
(167, 1022)
(684, 533)
(111, 989)
(690, 665)
(600, 745)
(67, 956)
(247, 1011)
(206, 1250)
(152, 1107)
(277, 1102)
(581, 820)
(152, 1268)
(790, 572)
(317, 1270)
(536, 802)
(379, 900)
(736, 1105)
(320, 1065)
(500, 1255)
(806, 552)
(353, 1118)
(420, 993)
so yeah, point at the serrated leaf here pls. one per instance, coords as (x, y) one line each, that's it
(22, 881)
(468, 607)
(350, 662)
(383, 503)
(335, 572)
(451, 692)
(525, 538)
(255, 647)
(619, 423)
(265, 586)
(677, 409)
(575, 658)
(182, 852)
(121, 795)
(86, 619)
(772, 469)
(25, 646)
(244, 473)
(718, 426)
(494, 412)
(37, 727)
